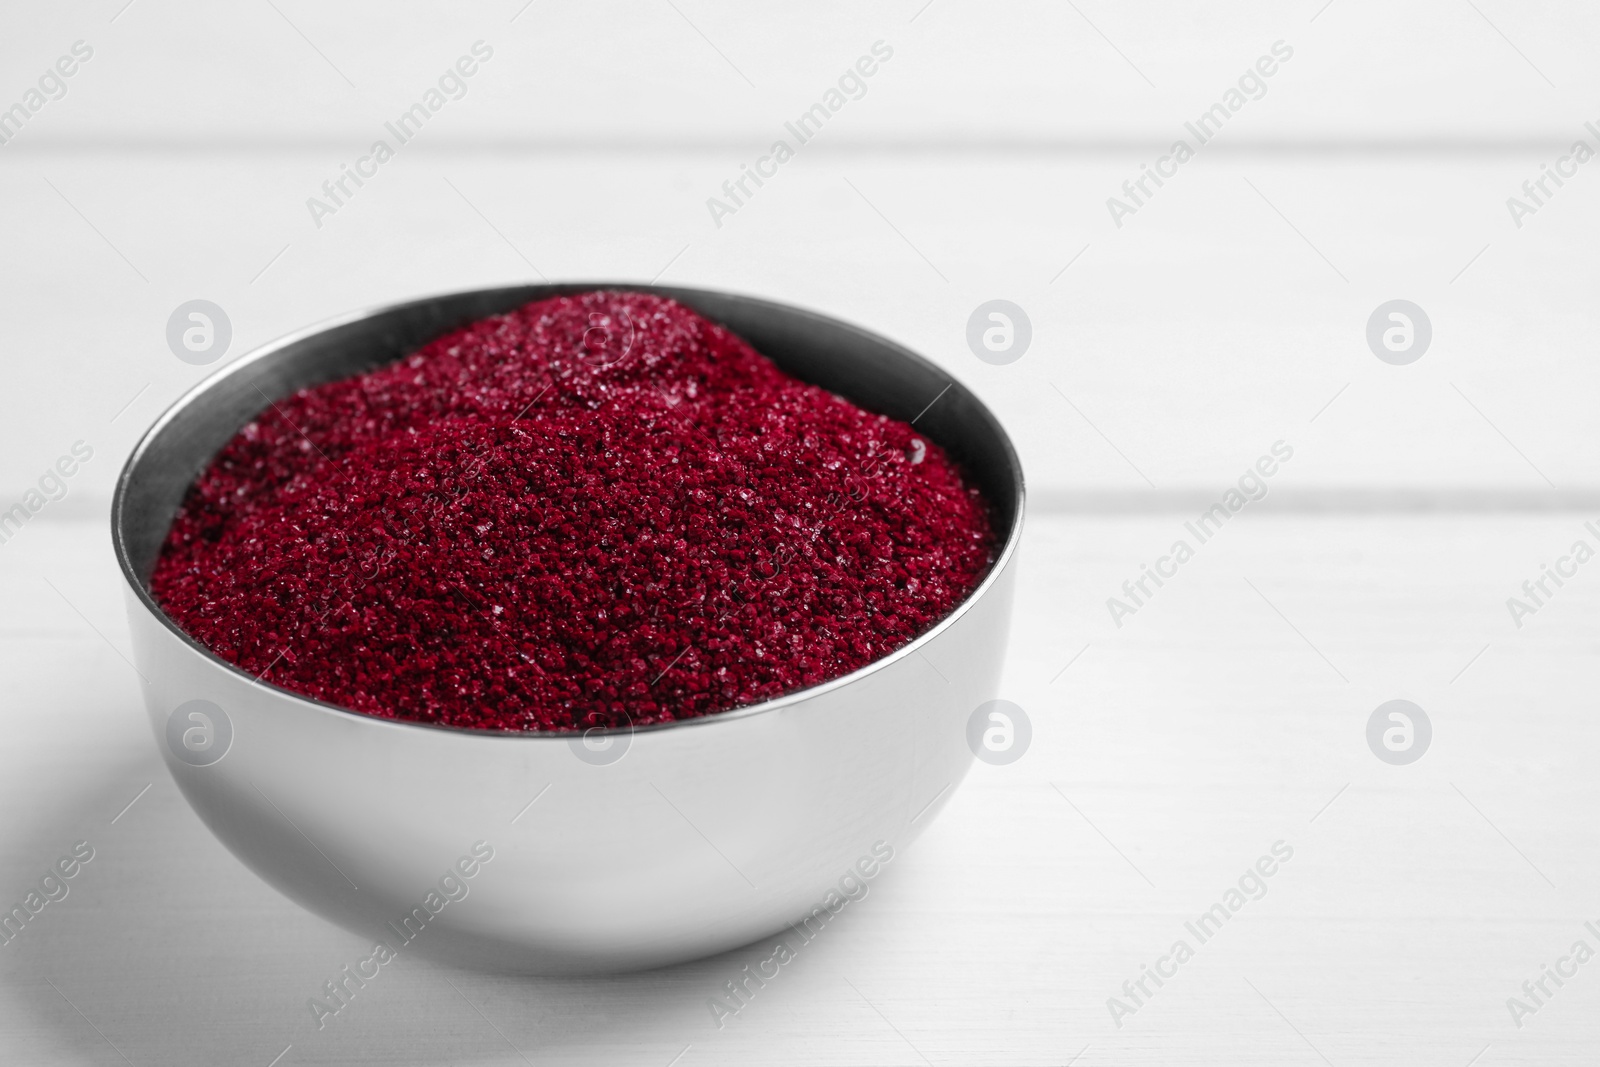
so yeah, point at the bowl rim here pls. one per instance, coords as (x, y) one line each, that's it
(263, 352)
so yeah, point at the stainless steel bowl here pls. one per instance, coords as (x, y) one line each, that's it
(620, 850)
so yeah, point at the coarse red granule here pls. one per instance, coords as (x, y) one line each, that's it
(594, 510)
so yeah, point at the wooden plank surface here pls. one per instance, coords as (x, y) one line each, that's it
(1169, 756)
(1169, 355)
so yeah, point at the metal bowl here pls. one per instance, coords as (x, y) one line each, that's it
(556, 853)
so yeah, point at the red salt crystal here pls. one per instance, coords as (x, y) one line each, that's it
(594, 510)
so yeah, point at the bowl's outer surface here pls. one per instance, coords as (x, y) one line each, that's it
(704, 835)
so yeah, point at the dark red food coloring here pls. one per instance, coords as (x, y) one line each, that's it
(594, 510)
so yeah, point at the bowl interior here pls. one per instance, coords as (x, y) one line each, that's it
(868, 370)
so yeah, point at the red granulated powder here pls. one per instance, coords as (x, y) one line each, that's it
(595, 510)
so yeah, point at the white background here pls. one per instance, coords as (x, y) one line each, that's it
(1227, 314)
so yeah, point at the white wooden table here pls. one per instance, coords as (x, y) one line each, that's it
(1166, 758)
(1229, 713)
